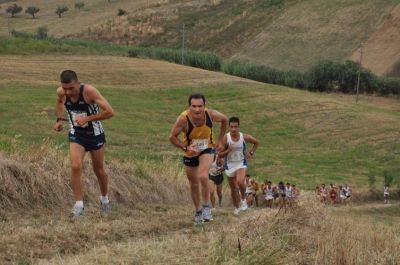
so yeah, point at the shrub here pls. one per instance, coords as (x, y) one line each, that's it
(265, 74)
(79, 5)
(387, 178)
(389, 85)
(61, 9)
(121, 12)
(41, 32)
(197, 59)
(32, 10)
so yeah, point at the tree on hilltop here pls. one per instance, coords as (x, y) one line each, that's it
(14, 9)
(121, 12)
(79, 5)
(61, 9)
(32, 10)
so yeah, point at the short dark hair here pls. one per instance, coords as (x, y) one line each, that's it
(234, 119)
(68, 76)
(196, 96)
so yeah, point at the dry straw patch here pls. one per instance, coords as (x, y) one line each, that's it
(39, 178)
(149, 225)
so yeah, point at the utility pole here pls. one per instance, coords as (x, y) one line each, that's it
(8, 25)
(359, 71)
(183, 41)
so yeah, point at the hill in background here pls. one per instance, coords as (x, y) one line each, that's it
(284, 34)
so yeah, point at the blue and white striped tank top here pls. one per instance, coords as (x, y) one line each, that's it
(81, 108)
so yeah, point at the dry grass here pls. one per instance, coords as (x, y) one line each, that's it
(151, 223)
(128, 73)
(39, 178)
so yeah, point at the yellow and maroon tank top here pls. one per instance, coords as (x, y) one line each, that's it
(201, 136)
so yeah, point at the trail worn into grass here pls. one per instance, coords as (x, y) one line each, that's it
(151, 234)
(161, 234)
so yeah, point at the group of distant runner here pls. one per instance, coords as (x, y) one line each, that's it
(271, 195)
(333, 195)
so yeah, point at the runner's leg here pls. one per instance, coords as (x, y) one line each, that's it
(77, 153)
(205, 161)
(98, 168)
(192, 175)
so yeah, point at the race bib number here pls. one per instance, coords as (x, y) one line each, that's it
(237, 156)
(78, 114)
(201, 144)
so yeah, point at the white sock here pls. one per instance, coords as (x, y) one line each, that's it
(104, 199)
(79, 203)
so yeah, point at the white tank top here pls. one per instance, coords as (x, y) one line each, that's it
(288, 191)
(249, 187)
(238, 153)
(216, 169)
(386, 190)
(269, 192)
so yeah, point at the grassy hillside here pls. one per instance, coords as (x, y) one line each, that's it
(305, 137)
(284, 34)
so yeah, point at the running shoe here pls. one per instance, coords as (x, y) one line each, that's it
(105, 209)
(236, 211)
(243, 205)
(77, 211)
(207, 215)
(198, 218)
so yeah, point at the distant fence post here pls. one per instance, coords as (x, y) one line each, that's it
(8, 26)
(359, 71)
(183, 42)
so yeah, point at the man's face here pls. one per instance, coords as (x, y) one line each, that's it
(197, 108)
(234, 127)
(71, 89)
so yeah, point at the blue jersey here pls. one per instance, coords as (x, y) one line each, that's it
(83, 109)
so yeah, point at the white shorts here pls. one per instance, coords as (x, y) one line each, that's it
(343, 197)
(268, 198)
(232, 170)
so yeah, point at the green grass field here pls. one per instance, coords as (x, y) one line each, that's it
(306, 138)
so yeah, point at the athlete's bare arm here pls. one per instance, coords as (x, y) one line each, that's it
(59, 111)
(250, 139)
(92, 95)
(178, 127)
(221, 118)
(225, 149)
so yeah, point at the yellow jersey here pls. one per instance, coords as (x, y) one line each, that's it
(201, 136)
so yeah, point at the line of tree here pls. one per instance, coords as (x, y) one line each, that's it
(325, 76)
(33, 10)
